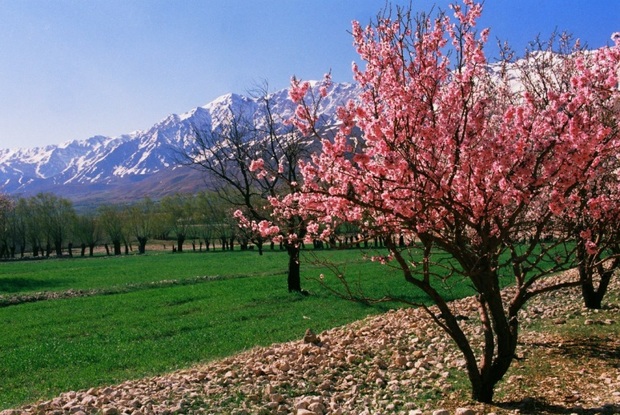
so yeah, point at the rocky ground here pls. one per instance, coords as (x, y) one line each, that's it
(396, 363)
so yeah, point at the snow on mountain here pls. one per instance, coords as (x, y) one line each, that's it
(105, 161)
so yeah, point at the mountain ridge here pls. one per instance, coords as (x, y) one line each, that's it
(116, 166)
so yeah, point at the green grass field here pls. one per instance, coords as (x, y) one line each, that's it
(129, 328)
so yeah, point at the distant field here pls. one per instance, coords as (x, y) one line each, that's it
(129, 328)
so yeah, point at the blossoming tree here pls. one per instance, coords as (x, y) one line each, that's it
(251, 159)
(591, 211)
(460, 159)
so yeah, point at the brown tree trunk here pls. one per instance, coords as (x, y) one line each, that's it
(117, 247)
(294, 269)
(141, 245)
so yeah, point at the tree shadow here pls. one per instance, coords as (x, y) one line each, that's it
(600, 348)
(578, 348)
(532, 406)
(13, 285)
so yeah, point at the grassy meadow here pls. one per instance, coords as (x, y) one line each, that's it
(150, 314)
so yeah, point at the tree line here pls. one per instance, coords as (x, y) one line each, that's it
(47, 225)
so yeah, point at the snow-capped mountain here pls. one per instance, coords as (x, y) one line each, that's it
(99, 163)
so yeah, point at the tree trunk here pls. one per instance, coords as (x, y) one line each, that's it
(592, 298)
(501, 331)
(180, 240)
(91, 249)
(294, 275)
(142, 244)
(483, 392)
(117, 247)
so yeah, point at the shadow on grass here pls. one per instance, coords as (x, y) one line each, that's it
(600, 348)
(579, 349)
(18, 285)
(533, 406)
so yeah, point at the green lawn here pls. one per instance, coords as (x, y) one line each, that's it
(52, 346)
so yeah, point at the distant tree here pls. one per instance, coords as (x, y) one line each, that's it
(140, 221)
(209, 212)
(56, 218)
(178, 216)
(6, 211)
(112, 223)
(17, 231)
(25, 210)
(87, 233)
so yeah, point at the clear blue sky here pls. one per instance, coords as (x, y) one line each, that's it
(71, 69)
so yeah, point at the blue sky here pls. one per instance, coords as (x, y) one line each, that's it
(71, 69)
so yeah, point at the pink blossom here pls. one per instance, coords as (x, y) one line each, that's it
(586, 234)
(298, 90)
(313, 228)
(257, 164)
